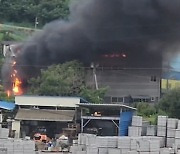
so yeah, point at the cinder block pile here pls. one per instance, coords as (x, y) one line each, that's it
(4, 133)
(168, 129)
(14, 146)
(116, 145)
(161, 139)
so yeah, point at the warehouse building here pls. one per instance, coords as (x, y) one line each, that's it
(42, 113)
(127, 85)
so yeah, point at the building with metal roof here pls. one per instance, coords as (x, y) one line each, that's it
(53, 113)
(48, 101)
(7, 105)
(106, 119)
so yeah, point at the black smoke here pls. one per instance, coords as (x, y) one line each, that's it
(144, 30)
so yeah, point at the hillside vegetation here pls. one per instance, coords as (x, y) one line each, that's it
(24, 12)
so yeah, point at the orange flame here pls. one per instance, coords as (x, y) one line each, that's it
(14, 63)
(8, 93)
(17, 87)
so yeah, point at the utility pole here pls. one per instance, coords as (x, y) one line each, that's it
(36, 22)
(167, 80)
(94, 75)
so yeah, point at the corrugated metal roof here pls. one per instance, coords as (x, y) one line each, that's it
(48, 101)
(45, 115)
(7, 105)
(106, 106)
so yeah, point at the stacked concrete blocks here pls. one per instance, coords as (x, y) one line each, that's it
(4, 133)
(15, 146)
(177, 135)
(136, 128)
(171, 130)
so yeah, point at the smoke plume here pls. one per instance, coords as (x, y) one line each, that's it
(144, 30)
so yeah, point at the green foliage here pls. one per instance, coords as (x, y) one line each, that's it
(66, 79)
(170, 103)
(146, 109)
(26, 10)
(93, 96)
(152, 119)
(60, 80)
(7, 36)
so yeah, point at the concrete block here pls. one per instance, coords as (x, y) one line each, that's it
(102, 150)
(151, 130)
(3, 150)
(143, 146)
(171, 132)
(177, 133)
(177, 142)
(92, 150)
(124, 151)
(161, 131)
(162, 121)
(132, 152)
(143, 152)
(172, 123)
(137, 121)
(170, 142)
(178, 125)
(124, 142)
(165, 151)
(134, 131)
(154, 145)
(114, 151)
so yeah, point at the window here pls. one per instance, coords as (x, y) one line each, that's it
(120, 99)
(153, 78)
(114, 99)
(152, 99)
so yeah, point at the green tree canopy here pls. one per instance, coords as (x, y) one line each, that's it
(66, 79)
(26, 10)
(170, 103)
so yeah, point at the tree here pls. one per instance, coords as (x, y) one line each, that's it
(170, 103)
(145, 109)
(25, 11)
(60, 80)
(66, 79)
(94, 96)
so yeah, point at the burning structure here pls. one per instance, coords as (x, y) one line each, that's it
(120, 34)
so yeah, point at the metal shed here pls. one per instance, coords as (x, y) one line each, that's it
(105, 112)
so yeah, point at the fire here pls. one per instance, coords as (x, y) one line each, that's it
(14, 63)
(115, 55)
(8, 93)
(17, 87)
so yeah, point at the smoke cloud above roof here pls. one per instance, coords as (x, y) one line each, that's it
(144, 30)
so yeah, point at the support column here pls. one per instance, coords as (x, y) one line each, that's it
(1, 119)
(82, 125)
(16, 126)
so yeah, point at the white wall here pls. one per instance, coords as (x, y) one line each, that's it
(47, 101)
